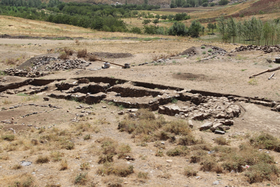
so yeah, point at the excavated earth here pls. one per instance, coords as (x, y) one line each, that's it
(208, 88)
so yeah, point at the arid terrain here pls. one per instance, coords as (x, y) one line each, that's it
(185, 113)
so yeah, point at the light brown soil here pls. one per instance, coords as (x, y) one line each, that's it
(224, 74)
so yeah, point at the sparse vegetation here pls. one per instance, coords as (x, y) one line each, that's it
(190, 172)
(8, 137)
(42, 159)
(82, 53)
(120, 170)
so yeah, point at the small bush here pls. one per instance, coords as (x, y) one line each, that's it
(68, 145)
(210, 164)
(84, 166)
(204, 52)
(8, 137)
(203, 47)
(178, 127)
(221, 141)
(136, 30)
(24, 180)
(105, 158)
(210, 50)
(120, 170)
(189, 172)
(108, 146)
(92, 58)
(143, 175)
(11, 61)
(17, 166)
(82, 53)
(68, 51)
(81, 179)
(159, 153)
(187, 140)
(42, 159)
(63, 165)
(178, 151)
(261, 172)
(145, 114)
(56, 156)
(122, 150)
(266, 141)
(63, 56)
(87, 137)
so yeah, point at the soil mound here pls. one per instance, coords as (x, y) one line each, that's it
(190, 51)
(112, 55)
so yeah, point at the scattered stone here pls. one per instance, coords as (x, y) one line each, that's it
(219, 132)
(216, 183)
(169, 161)
(206, 126)
(26, 163)
(190, 123)
(121, 113)
(46, 99)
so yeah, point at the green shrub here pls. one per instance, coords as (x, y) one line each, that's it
(265, 141)
(81, 179)
(8, 137)
(136, 30)
(261, 172)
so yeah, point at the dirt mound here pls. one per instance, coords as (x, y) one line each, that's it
(111, 55)
(190, 51)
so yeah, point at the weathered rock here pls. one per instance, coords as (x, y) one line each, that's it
(219, 132)
(216, 126)
(206, 126)
(190, 123)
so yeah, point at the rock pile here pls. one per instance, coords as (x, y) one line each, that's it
(266, 49)
(36, 65)
(67, 64)
(217, 50)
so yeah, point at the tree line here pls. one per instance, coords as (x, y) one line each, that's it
(251, 31)
(195, 3)
(99, 17)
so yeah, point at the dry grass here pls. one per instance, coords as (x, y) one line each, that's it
(92, 58)
(190, 172)
(82, 53)
(16, 166)
(42, 159)
(23, 180)
(143, 175)
(120, 169)
(56, 156)
(63, 56)
(221, 141)
(63, 165)
(68, 51)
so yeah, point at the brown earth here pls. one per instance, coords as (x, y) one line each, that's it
(221, 74)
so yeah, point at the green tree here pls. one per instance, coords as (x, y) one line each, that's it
(222, 25)
(146, 21)
(223, 2)
(194, 29)
(156, 21)
(178, 29)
